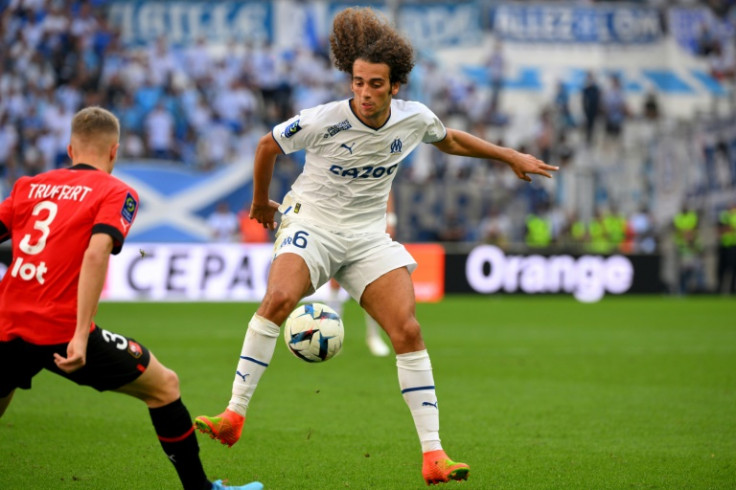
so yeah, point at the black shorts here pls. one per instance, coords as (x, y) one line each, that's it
(112, 361)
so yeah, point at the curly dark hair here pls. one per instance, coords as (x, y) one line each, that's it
(358, 33)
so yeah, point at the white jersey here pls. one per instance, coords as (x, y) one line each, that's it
(349, 166)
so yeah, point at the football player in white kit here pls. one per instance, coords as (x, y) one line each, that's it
(333, 220)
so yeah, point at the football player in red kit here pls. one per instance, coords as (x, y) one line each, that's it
(64, 224)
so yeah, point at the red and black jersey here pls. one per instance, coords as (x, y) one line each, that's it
(50, 218)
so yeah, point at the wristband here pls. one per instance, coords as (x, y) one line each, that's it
(391, 219)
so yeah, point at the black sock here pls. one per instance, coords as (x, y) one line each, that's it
(175, 431)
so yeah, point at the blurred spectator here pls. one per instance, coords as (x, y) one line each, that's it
(597, 238)
(614, 226)
(495, 228)
(198, 60)
(496, 70)
(8, 150)
(544, 135)
(476, 108)
(563, 156)
(591, 100)
(32, 156)
(538, 230)
(83, 24)
(706, 40)
(564, 120)
(269, 77)
(235, 105)
(223, 224)
(689, 248)
(159, 126)
(615, 110)
(452, 228)
(434, 88)
(577, 234)
(214, 148)
(161, 62)
(641, 233)
(251, 231)
(147, 94)
(717, 164)
(55, 25)
(650, 106)
(727, 250)
(722, 61)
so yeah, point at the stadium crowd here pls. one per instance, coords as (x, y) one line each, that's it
(206, 106)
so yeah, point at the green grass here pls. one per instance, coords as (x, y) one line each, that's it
(535, 393)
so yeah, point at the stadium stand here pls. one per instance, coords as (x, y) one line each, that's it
(193, 104)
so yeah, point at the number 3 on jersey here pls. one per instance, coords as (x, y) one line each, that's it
(41, 225)
(28, 270)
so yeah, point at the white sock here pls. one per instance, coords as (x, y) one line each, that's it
(417, 388)
(258, 346)
(371, 327)
(334, 301)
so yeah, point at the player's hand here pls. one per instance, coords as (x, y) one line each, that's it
(264, 214)
(523, 164)
(76, 356)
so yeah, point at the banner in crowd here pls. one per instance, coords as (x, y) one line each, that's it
(284, 23)
(577, 24)
(430, 25)
(436, 24)
(141, 22)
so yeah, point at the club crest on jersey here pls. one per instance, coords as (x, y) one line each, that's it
(134, 349)
(129, 207)
(291, 129)
(396, 146)
(336, 128)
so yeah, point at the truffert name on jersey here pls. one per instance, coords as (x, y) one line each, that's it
(59, 192)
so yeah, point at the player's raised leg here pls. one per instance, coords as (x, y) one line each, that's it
(288, 282)
(158, 387)
(373, 338)
(334, 299)
(390, 300)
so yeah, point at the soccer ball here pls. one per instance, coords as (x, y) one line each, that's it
(313, 332)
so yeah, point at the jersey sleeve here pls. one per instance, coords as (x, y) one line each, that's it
(296, 133)
(116, 214)
(435, 130)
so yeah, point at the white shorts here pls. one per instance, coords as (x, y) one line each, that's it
(354, 260)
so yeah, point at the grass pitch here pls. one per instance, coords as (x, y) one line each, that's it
(535, 393)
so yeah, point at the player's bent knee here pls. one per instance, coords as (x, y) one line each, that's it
(406, 337)
(277, 305)
(168, 390)
(157, 386)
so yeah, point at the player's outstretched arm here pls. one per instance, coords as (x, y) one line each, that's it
(91, 281)
(465, 144)
(263, 209)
